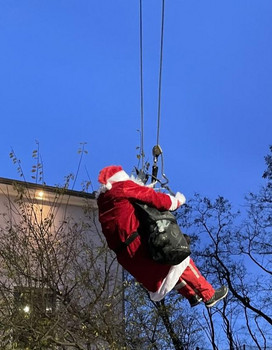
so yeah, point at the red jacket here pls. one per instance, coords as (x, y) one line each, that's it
(118, 221)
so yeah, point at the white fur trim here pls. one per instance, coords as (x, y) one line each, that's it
(181, 198)
(175, 203)
(108, 186)
(119, 176)
(170, 280)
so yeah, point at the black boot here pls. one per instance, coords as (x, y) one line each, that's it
(195, 300)
(218, 295)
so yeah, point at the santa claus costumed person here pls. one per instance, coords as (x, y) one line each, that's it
(119, 224)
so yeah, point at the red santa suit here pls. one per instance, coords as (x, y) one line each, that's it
(118, 221)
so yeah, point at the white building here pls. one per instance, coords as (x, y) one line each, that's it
(60, 285)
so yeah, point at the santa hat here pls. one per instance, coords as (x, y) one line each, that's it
(110, 174)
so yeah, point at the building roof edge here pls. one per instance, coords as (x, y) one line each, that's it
(34, 186)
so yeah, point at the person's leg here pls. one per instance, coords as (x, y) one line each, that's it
(201, 286)
(197, 282)
(184, 289)
(189, 293)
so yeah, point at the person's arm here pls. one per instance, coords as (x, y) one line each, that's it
(148, 195)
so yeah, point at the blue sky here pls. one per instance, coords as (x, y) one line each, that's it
(69, 73)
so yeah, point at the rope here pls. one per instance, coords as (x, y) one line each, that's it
(160, 74)
(142, 155)
(156, 149)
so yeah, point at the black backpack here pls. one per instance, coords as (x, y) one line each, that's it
(167, 244)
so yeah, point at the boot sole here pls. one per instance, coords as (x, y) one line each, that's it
(216, 301)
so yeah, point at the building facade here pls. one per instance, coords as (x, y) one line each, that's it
(60, 287)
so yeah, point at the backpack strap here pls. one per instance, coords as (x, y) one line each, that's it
(126, 243)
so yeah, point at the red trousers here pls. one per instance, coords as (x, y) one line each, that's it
(191, 282)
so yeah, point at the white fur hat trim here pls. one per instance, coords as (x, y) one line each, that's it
(117, 177)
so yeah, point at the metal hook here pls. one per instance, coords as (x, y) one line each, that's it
(156, 151)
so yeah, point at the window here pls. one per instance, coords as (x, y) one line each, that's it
(34, 309)
(35, 302)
